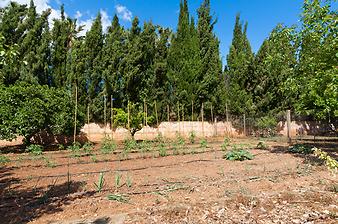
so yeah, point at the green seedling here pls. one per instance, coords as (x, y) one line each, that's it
(100, 184)
(4, 160)
(129, 182)
(118, 178)
(108, 146)
(162, 150)
(118, 197)
(192, 137)
(35, 150)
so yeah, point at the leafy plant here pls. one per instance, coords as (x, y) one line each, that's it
(94, 159)
(61, 147)
(225, 144)
(130, 144)
(175, 149)
(262, 146)
(108, 146)
(118, 178)
(162, 150)
(49, 163)
(75, 148)
(331, 163)
(266, 126)
(300, 148)
(238, 155)
(34, 149)
(192, 137)
(129, 181)
(144, 147)
(88, 147)
(204, 144)
(4, 159)
(100, 184)
(118, 197)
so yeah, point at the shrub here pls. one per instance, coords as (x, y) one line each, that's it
(204, 144)
(266, 126)
(238, 155)
(300, 148)
(225, 144)
(34, 149)
(4, 160)
(162, 150)
(108, 146)
(192, 136)
(75, 147)
(262, 146)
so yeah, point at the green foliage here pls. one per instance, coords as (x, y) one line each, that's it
(192, 137)
(118, 197)
(262, 146)
(34, 150)
(330, 162)
(100, 184)
(203, 144)
(74, 147)
(88, 147)
(238, 154)
(27, 109)
(108, 146)
(162, 150)
(118, 178)
(225, 144)
(4, 160)
(129, 182)
(266, 126)
(300, 148)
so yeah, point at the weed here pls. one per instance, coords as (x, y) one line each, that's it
(118, 178)
(75, 149)
(300, 148)
(88, 147)
(203, 144)
(49, 163)
(129, 181)
(192, 136)
(35, 150)
(94, 159)
(159, 138)
(4, 160)
(118, 197)
(225, 144)
(238, 154)
(61, 147)
(162, 150)
(175, 149)
(144, 148)
(262, 146)
(108, 146)
(130, 144)
(100, 184)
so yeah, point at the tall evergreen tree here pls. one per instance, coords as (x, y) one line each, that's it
(239, 71)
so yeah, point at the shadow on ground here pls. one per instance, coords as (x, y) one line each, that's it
(21, 205)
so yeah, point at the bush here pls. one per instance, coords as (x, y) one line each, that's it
(266, 126)
(192, 137)
(262, 146)
(225, 144)
(238, 155)
(108, 146)
(34, 149)
(27, 109)
(4, 160)
(300, 148)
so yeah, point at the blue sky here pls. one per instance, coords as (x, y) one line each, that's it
(262, 15)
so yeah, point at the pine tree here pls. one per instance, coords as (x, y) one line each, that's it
(239, 71)
(93, 68)
(211, 66)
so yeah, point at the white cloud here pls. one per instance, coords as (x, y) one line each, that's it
(78, 15)
(41, 5)
(87, 24)
(123, 12)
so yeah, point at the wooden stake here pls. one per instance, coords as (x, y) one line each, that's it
(178, 117)
(212, 116)
(168, 112)
(244, 125)
(192, 110)
(202, 112)
(75, 116)
(226, 112)
(105, 115)
(146, 114)
(88, 120)
(156, 113)
(112, 117)
(288, 120)
(128, 116)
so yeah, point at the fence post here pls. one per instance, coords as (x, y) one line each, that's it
(128, 116)
(288, 121)
(244, 124)
(75, 116)
(226, 112)
(202, 120)
(88, 121)
(105, 115)
(112, 116)
(168, 112)
(178, 117)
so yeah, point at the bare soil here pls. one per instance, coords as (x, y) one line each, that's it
(197, 186)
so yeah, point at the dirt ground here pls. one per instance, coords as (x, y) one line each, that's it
(197, 186)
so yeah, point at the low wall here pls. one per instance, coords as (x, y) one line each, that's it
(304, 128)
